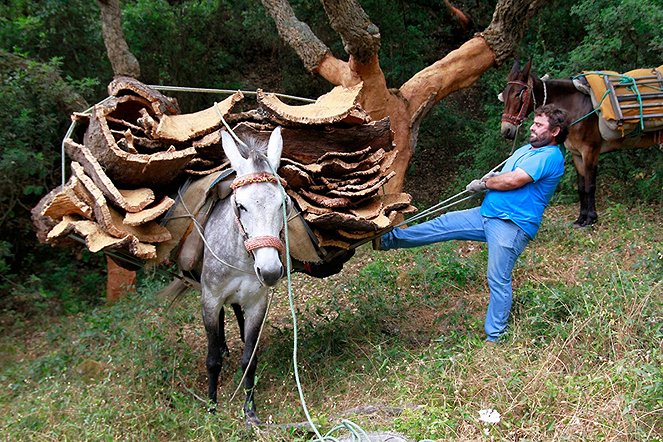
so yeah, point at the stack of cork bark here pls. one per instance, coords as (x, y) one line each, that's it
(132, 151)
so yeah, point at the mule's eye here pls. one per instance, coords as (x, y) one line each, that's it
(240, 207)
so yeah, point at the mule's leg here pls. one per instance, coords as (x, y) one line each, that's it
(239, 314)
(216, 347)
(252, 323)
(592, 169)
(582, 194)
(223, 346)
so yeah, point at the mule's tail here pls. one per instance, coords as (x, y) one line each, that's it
(177, 288)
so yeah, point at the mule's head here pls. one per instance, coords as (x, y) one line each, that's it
(258, 201)
(517, 99)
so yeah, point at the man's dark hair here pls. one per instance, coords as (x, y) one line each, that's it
(557, 117)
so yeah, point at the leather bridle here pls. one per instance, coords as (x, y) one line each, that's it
(522, 113)
(250, 244)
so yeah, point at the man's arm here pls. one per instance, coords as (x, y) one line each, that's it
(509, 180)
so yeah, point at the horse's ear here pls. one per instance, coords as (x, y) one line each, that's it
(500, 97)
(274, 148)
(231, 150)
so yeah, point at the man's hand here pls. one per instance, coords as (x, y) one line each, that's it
(489, 175)
(476, 186)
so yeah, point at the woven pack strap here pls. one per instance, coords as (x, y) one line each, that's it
(264, 241)
(253, 178)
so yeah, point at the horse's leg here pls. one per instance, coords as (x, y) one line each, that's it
(216, 348)
(252, 323)
(582, 194)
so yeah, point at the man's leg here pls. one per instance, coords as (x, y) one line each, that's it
(506, 241)
(463, 224)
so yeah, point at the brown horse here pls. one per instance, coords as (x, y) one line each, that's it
(524, 92)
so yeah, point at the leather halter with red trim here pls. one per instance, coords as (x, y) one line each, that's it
(250, 244)
(522, 113)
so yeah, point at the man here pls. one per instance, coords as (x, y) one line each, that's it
(509, 216)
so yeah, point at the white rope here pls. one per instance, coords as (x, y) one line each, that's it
(232, 132)
(224, 91)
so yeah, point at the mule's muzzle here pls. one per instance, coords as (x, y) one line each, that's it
(508, 130)
(270, 276)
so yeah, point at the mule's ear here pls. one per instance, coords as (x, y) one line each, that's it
(231, 150)
(274, 148)
(527, 68)
(500, 97)
(515, 68)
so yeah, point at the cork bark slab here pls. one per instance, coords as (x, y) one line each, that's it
(66, 202)
(127, 85)
(127, 169)
(131, 200)
(339, 105)
(150, 213)
(185, 127)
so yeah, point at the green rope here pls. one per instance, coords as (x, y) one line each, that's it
(352, 427)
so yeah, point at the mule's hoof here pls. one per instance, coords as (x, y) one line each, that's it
(252, 419)
(211, 408)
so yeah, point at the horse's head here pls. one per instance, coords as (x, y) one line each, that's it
(517, 97)
(258, 201)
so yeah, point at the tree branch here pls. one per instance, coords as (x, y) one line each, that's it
(508, 26)
(297, 34)
(361, 38)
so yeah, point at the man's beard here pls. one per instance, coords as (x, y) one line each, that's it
(540, 142)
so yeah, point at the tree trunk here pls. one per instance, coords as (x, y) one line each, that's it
(407, 106)
(122, 60)
(124, 63)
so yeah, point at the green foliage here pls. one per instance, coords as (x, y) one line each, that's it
(29, 150)
(68, 30)
(639, 44)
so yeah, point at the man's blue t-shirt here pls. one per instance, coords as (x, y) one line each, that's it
(525, 205)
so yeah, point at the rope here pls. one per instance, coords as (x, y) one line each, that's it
(223, 91)
(630, 83)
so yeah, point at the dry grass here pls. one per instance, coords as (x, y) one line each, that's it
(393, 343)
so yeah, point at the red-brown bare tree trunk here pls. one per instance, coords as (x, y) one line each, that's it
(410, 104)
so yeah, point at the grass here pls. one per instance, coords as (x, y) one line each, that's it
(393, 343)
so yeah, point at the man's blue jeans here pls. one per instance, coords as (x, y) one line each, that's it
(506, 241)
